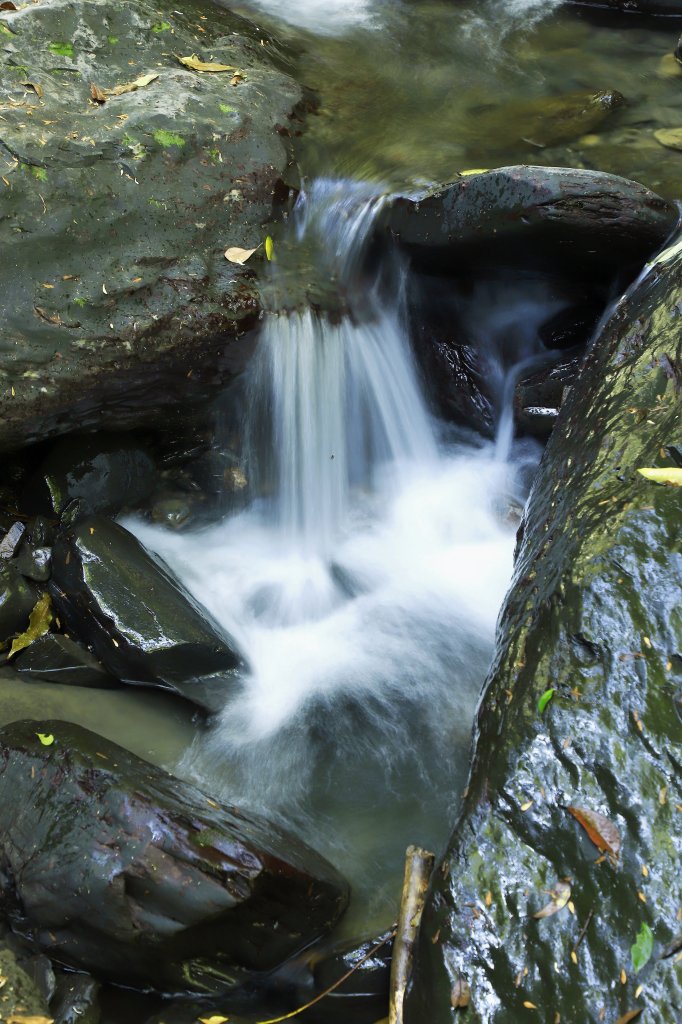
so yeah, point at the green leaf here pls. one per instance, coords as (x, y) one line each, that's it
(643, 948)
(544, 700)
(269, 248)
(61, 49)
(112, 40)
(161, 26)
(663, 476)
(47, 739)
(166, 139)
(38, 623)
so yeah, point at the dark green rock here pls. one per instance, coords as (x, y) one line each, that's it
(137, 617)
(76, 1000)
(103, 473)
(657, 8)
(115, 867)
(118, 303)
(594, 613)
(54, 658)
(588, 224)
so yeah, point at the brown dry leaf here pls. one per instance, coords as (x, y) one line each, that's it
(460, 996)
(560, 894)
(240, 256)
(237, 78)
(601, 831)
(630, 1015)
(139, 83)
(38, 89)
(97, 95)
(7, 5)
(54, 318)
(194, 64)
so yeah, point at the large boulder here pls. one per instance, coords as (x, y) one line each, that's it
(118, 303)
(594, 615)
(585, 223)
(115, 867)
(136, 616)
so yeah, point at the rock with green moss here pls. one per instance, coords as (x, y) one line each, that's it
(595, 616)
(20, 997)
(113, 866)
(118, 302)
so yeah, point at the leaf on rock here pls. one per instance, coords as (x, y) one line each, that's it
(269, 248)
(139, 83)
(38, 623)
(47, 739)
(240, 256)
(28, 1018)
(215, 1019)
(544, 700)
(601, 831)
(7, 5)
(630, 1015)
(663, 476)
(460, 997)
(97, 95)
(643, 948)
(195, 64)
(37, 88)
(561, 894)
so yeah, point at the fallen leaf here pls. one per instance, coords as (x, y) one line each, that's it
(194, 64)
(38, 623)
(529, 1005)
(47, 739)
(560, 895)
(643, 948)
(38, 89)
(601, 831)
(97, 95)
(139, 83)
(28, 1018)
(54, 318)
(240, 256)
(544, 700)
(527, 806)
(460, 996)
(663, 476)
(269, 248)
(215, 1019)
(630, 1015)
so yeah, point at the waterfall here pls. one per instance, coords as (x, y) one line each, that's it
(362, 580)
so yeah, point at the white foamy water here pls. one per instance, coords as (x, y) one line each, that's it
(327, 17)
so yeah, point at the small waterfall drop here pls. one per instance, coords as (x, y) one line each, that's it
(362, 580)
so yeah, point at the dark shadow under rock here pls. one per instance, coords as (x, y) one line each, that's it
(115, 867)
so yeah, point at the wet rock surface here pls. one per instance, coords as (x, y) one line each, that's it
(138, 619)
(54, 658)
(118, 303)
(139, 878)
(669, 8)
(594, 616)
(572, 220)
(363, 998)
(538, 396)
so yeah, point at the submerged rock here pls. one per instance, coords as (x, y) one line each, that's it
(584, 223)
(594, 617)
(137, 617)
(115, 867)
(140, 171)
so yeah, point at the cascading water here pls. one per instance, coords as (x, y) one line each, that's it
(362, 580)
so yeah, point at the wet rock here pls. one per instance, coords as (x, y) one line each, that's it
(137, 617)
(115, 867)
(54, 658)
(583, 223)
(102, 472)
(132, 310)
(33, 558)
(539, 396)
(11, 541)
(593, 615)
(17, 599)
(669, 8)
(363, 998)
(20, 997)
(76, 1000)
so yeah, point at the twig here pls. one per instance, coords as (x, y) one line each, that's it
(584, 930)
(418, 869)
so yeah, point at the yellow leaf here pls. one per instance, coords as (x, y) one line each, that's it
(240, 256)
(269, 248)
(37, 88)
(47, 739)
(663, 476)
(478, 170)
(561, 895)
(194, 64)
(38, 623)
(529, 1005)
(139, 83)
(29, 1018)
(215, 1019)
